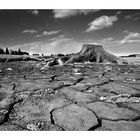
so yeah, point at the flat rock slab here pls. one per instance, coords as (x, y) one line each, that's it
(81, 87)
(77, 96)
(73, 117)
(133, 106)
(35, 110)
(119, 88)
(112, 111)
(10, 127)
(119, 126)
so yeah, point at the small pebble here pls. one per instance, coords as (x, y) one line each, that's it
(9, 69)
(134, 80)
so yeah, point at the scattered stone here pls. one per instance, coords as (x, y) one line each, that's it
(90, 91)
(66, 83)
(121, 98)
(108, 68)
(134, 80)
(87, 62)
(9, 69)
(76, 70)
(50, 91)
(32, 127)
(77, 73)
(126, 73)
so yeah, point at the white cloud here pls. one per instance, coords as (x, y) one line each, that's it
(35, 12)
(101, 22)
(109, 42)
(131, 37)
(57, 45)
(137, 18)
(48, 33)
(119, 12)
(29, 31)
(127, 17)
(62, 13)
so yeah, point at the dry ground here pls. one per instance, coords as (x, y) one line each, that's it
(69, 97)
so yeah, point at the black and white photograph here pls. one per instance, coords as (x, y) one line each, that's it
(69, 69)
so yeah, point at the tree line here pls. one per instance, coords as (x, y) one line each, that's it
(13, 52)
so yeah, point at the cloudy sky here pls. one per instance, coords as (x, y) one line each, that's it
(64, 31)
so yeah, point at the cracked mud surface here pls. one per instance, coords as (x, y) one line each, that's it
(66, 98)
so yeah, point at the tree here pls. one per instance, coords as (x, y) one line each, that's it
(19, 52)
(1, 51)
(60, 55)
(16, 52)
(7, 51)
(12, 52)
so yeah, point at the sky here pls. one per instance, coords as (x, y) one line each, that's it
(65, 30)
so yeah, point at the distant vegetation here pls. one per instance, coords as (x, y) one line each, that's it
(13, 52)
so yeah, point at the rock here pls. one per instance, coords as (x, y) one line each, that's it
(9, 69)
(133, 106)
(76, 70)
(77, 96)
(134, 80)
(119, 88)
(73, 117)
(81, 86)
(11, 127)
(111, 111)
(37, 109)
(119, 126)
(32, 127)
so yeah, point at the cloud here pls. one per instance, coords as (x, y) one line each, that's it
(109, 42)
(119, 12)
(135, 16)
(131, 37)
(127, 17)
(63, 13)
(101, 22)
(48, 33)
(57, 45)
(30, 31)
(35, 12)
